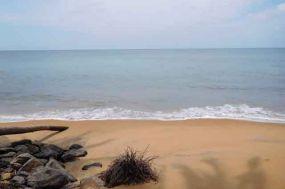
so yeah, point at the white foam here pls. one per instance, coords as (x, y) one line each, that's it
(243, 112)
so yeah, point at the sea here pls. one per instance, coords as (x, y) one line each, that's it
(151, 84)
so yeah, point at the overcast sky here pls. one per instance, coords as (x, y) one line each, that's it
(101, 24)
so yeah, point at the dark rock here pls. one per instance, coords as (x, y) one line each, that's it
(72, 185)
(31, 165)
(17, 181)
(22, 158)
(59, 166)
(75, 146)
(47, 178)
(38, 144)
(8, 155)
(44, 161)
(21, 148)
(71, 178)
(33, 148)
(16, 166)
(96, 164)
(8, 170)
(28, 148)
(21, 142)
(72, 154)
(23, 173)
(5, 150)
(52, 163)
(49, 150)
(34, 165)
(7, 159)
(4, 164)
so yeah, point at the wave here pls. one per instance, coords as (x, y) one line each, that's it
(242, 112)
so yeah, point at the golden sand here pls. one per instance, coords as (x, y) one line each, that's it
(192, 154)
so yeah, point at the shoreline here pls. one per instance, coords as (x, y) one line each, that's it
(226, 111)
(148, 120)
(191, 153)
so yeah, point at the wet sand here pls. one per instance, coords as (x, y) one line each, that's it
(196, 154)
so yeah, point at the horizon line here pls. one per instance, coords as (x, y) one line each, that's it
(91, 49)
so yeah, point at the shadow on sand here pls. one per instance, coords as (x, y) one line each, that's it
(252, 178)
(79, 139)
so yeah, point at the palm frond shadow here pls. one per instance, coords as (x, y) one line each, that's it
(252, 178)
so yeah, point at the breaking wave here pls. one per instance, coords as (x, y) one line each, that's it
(242, 112)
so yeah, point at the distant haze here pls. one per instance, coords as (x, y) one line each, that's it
(112, 24)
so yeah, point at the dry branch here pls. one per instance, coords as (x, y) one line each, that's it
(20, 130)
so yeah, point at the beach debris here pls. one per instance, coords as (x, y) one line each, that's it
(129, 168)
(88, 166)
(27, 164)
(20, 130)
(31, 165)
(21, 159)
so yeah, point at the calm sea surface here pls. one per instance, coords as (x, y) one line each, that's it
(143, 84)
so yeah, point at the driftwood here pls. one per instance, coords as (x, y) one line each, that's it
(20, 130)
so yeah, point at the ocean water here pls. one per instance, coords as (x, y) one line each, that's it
(143, 84)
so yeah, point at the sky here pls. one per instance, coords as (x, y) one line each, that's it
(141, 24)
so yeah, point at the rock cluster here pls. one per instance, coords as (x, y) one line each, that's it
(27, 164)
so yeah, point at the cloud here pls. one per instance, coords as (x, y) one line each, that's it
(153, 22)
(9, 17)
(281, 7)
(96, 15)
(270, 13)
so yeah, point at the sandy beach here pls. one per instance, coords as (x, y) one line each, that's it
(142, 94)
(196, 154)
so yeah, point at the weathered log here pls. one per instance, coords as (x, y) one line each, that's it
(20, 130)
